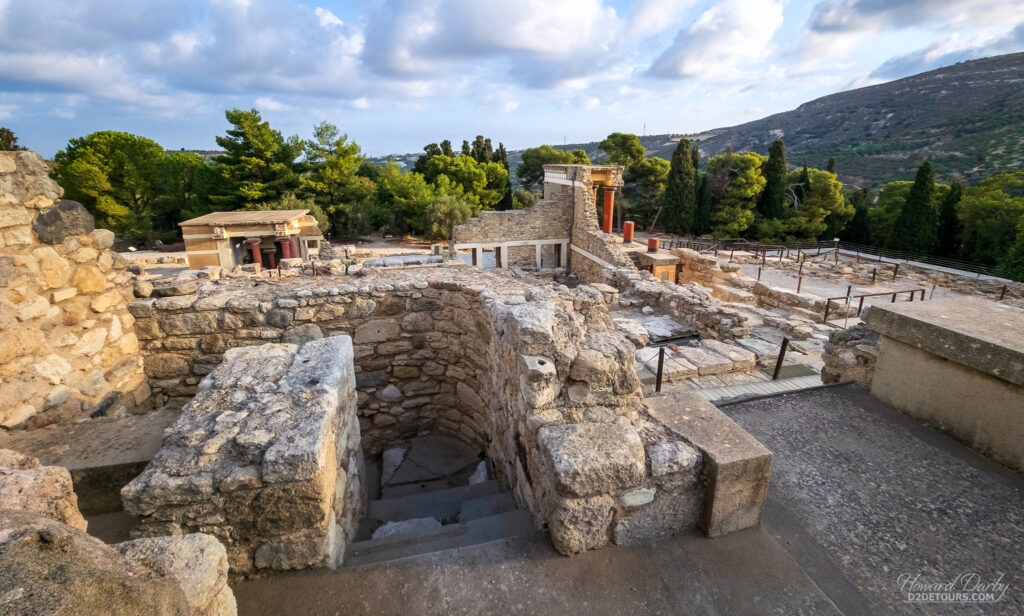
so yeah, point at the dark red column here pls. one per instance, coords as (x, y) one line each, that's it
(609, 208)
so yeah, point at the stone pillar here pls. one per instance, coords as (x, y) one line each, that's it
(609, 207)
(539, 257)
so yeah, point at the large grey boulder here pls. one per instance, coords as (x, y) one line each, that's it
(63, 220)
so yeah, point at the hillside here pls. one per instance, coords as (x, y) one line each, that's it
(967, 119)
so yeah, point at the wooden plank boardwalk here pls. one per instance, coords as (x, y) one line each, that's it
(760, 388)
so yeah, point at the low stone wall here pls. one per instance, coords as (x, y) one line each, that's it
(850, 355)
(689, 303)
(68, 349)
(266, 458)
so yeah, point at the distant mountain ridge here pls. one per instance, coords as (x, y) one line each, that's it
(967, 119)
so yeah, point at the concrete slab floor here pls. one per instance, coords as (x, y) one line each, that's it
(860, 494)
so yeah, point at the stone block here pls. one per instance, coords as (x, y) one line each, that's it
(63, 220)
(580, 524)
(592, 458)
(376, 331)
(736, 467)
(26, 485)
(706, 361)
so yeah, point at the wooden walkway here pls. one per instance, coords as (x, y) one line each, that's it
(760, 388)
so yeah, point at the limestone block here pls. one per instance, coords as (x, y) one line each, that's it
(706, 361)
(104, 301)
(672, 457)
(54, 270)
(197, 562)
(736, 467)
(742, 359)
(26, 485)
(102, 239)
(89, 279)
(33, 308)
(11, 217)
(53, 368)
(90, 343)
(165, 365)
(668, 514)
(376, 331)
(580, 524)
(47, 567)
(186, 287)
(593, 458)
(18, 236)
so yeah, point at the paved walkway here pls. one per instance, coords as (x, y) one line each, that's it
(860, 495)
(760, 388)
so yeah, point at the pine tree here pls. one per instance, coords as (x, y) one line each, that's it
(466, 151)
(916, 226)
(446, 148)
(680, 201)
(831, 166)
(773, 200)
(949, 222)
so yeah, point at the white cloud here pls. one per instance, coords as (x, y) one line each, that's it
(838, 27)
(541, 43)
(653, 16)
(265, 103)
(726, 36)
(360, 103)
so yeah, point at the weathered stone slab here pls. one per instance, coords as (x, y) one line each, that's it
(742, 359)
(736, 466)
(593, 458)
(767, 353)
(706, 361)
(26, 485)
(63, 220)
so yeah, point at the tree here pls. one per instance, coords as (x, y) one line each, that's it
(485, 182)
(916, 227)
(799, 187)
(116, 176)
(289, 201)
(831, 166)
(8, 140)
(259, 163)
(622, 149)
(773, 200)
(702, 216)
(446, 148)
(1015, 265)
(736, 185)
(989, 213)
(523, 198)
(444, 214)
(679, 206)
(858, 231)
(644, 188)
(333, 161)
(182, 191)
(429, 151)
(466, 151)
(949, 222)
(481, 150)
(531, 169)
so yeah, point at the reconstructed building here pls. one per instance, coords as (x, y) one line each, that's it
(229, 239)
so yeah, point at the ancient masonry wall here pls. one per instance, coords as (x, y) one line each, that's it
(68, 350)
(850, 355)
(266, 458)
(546, 221)
(475, 355)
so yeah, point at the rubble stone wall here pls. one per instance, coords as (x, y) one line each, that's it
(68, 349)
(537, 376)
(850, 355)
(266, 458)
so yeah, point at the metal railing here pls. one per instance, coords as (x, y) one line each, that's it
(849, 297)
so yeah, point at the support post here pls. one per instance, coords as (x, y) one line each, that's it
(895, 271)
(627, 232)
(782, 357)
(759, 274)
(860, 306)
(609, 207)
(538, 256)
(1002, 293)
(799, 283)
(874, 272)
(661, 366)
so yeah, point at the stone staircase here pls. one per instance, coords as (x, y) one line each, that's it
(428, 502)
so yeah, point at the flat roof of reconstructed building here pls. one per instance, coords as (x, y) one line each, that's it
(258, 217)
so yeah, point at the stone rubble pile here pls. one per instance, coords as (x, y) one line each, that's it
(49, 565)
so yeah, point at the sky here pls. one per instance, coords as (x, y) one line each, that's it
(398, 74)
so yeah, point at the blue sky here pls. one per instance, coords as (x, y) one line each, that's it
(397, 74)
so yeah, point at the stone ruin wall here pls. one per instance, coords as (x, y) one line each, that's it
(545, 220)
(68, 350)
(532, 375)
(266, 458)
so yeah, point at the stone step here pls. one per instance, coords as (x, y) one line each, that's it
(485, 506)
(513, 523)
(440, 504)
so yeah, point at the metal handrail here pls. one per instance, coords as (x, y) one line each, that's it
(860, 306)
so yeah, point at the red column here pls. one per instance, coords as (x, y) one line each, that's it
(609, 208)
(286, 248)
(627, 232)
(257, 257)
(652, 245)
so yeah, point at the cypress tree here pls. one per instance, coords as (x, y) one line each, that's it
(680, 200)
(803, 186)
(916, 226)
(702, 217)
(446, 148)
(949, 222)
(831, 166)
(695, 156)
(465, 148)
(773, 200)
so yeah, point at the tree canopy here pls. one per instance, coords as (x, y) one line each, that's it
(531, 170)
(622, 149)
